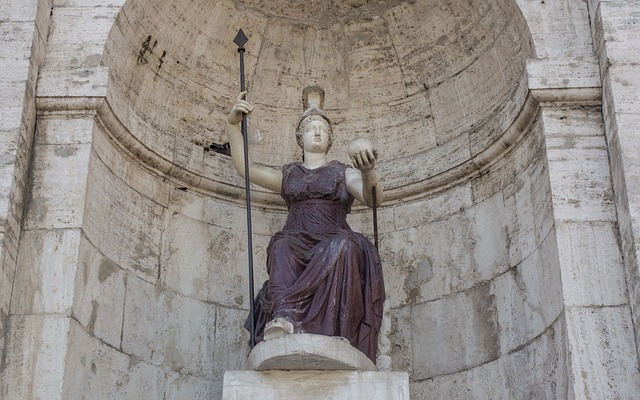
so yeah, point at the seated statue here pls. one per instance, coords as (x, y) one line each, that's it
(324, 278)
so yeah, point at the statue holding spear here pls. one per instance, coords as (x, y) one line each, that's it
(324, 278)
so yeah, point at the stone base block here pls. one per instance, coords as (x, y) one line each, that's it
(315, 385)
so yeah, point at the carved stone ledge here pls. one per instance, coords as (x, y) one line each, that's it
(565, 81)
(71, 101)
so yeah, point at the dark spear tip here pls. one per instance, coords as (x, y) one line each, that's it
(241, 39)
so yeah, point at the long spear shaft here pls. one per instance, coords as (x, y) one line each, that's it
(374, 194)
(241, 40)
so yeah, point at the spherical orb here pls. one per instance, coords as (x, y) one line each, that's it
(357, 145)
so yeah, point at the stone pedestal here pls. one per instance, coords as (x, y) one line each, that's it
(315, 385)
(306, 367)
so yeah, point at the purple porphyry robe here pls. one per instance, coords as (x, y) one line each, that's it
(324, 277)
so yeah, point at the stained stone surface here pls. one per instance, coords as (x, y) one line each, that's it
(508, 138)
(312, 385)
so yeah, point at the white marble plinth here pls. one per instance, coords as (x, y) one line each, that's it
(305, 366)
(311, 385)
(304, 351)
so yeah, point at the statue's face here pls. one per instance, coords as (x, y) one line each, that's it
(315, 135)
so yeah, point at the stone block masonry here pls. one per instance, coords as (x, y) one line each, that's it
(508, 149)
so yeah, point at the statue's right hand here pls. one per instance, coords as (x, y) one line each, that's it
(240, 108)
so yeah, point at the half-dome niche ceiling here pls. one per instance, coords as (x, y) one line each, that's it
(432, 82)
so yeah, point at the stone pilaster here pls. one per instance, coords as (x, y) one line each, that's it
(597, 312)
(24, 27)
(48, 256)
(42, 288)
(617, 45)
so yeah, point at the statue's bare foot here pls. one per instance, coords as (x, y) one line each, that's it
(277, 327)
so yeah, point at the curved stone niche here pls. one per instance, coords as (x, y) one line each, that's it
(441, 98)
(474, 281)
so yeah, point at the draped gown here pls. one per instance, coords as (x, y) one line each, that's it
(324, 277)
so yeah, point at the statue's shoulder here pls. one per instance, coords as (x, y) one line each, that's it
(339, 164)
(291, 166)
(345, 167)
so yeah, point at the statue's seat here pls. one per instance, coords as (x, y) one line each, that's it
(304, 351)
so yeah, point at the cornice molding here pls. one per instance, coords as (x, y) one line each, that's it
(576, 82)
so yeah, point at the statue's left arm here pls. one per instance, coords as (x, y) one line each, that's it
(362, 179)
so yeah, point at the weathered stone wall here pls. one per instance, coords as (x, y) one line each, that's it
(507, 239)
(590, 259)
(480, 281)
(43, 291)
(23, 37)
(614, 26)
(601, 362)
(160, 296)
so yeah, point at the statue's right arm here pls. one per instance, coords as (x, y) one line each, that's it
(262, 175)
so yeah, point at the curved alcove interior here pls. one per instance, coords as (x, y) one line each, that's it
(433, 83)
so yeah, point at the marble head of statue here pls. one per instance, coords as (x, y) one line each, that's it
(313, 101)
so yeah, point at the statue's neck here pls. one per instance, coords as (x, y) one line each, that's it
(314, 160)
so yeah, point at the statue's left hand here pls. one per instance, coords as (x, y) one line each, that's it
(365, 160)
